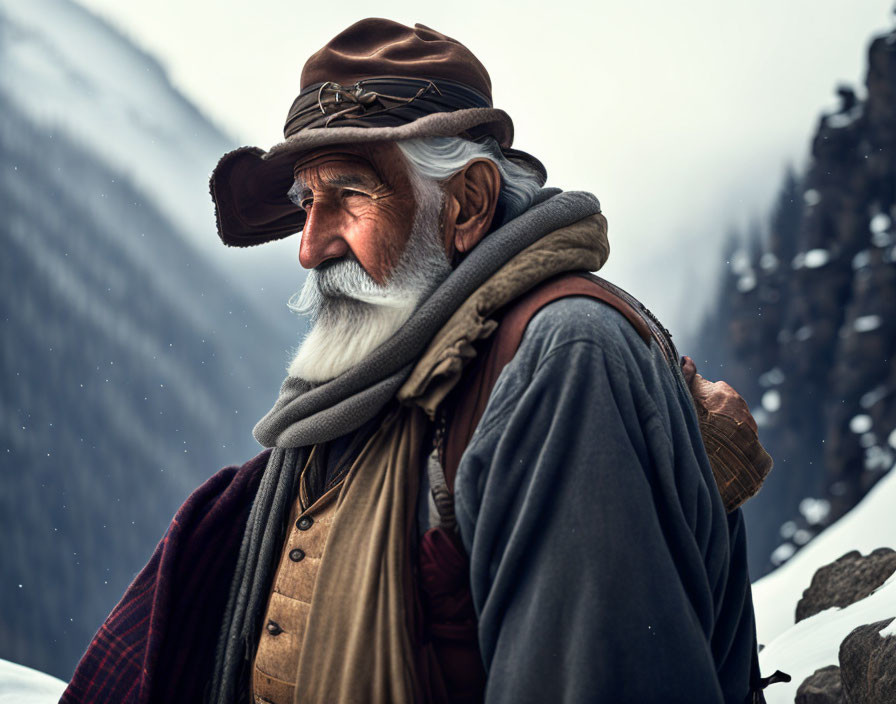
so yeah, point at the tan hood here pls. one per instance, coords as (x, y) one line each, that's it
(580, 246)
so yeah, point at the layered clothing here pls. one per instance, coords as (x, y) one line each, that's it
(538, 503)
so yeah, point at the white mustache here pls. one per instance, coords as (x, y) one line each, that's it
(346, 278)
(350, 313)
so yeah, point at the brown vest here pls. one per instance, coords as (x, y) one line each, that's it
(274, 669)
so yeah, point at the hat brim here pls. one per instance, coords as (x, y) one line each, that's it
(249, 186)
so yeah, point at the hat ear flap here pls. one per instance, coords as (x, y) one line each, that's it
(250, 196)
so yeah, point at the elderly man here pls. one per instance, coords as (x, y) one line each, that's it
(484, 477)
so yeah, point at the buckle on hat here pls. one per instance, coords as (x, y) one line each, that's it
(361, 101)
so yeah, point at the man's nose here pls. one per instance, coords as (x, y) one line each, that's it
(321, 238)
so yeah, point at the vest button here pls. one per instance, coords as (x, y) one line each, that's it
(297, 555)
(304, 523)
(274, 628)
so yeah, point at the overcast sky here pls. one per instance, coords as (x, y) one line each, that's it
(679, 116)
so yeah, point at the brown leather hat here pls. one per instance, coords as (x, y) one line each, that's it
(378, 80)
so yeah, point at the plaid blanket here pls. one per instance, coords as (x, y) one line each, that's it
(158, 644)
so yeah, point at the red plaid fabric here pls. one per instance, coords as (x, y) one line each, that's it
(158, 644)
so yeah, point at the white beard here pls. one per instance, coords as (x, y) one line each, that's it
(351, 315)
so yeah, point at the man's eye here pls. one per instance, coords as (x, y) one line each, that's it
(306, 203)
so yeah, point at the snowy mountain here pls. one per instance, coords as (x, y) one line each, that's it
(135, 361)
(813, 643)
(67, 70)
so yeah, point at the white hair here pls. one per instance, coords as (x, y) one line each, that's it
(439, 158)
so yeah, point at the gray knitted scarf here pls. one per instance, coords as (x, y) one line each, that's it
(304, 415)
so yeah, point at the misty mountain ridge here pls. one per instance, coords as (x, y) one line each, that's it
(804, 326)
(69, 71)
(134, 364)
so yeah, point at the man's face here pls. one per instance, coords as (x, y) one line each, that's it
(360, 205)
(372, 242)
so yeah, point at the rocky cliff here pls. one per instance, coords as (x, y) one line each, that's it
(804, 323)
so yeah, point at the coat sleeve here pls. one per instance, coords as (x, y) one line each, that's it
(597, 550)
(158, 643)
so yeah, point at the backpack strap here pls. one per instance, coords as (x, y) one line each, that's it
(476, 386)
(738, 460)
(471, 395)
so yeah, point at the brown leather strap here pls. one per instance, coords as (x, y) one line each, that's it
(662, 336)
(476, 386)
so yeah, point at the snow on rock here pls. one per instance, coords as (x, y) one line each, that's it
(879, 223)
(841, 120)
(860, 424)
(861, 259)
(868, 439)
(740, 262)
(868, 526)
(882, 239)
(815, 510)
(772, 377)
(802, 536)
(815, 258)
(867, 323)
(803, 333)
(812, 197)
(768, 262)
(873, 397)
(788, 529)
(889, 631)
(811, 259)
(771, 400)
(22, 685)
(747, 282)
(783, 553)
(877, 458)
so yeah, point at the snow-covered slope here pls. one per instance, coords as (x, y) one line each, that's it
(868, 526)
(65, 68)
(22, 685)
(813, 643)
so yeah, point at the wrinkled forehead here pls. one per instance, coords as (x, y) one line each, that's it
(372, 165)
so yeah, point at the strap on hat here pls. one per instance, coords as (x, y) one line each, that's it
(331, 95)
(378, 102)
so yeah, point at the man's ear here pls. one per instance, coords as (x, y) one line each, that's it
(471, 196)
